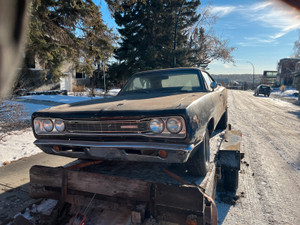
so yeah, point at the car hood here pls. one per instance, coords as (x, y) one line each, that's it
(131, 103)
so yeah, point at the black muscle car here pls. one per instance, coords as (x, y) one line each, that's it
(158, 116)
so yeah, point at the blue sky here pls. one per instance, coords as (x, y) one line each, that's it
(262, 31)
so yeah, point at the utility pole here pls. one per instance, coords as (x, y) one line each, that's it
(103, 66)
(253, 72)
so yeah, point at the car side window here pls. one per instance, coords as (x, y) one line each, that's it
(207, 80)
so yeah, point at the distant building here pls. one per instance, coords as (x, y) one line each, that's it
(72, 77)
(286, 70)
(269, 78)
(296, 74)
(36, 75)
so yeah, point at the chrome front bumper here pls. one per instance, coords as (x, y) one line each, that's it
(128, 151)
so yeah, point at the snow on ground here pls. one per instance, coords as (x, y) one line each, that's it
(17, 145)
(288, 93)
(59, 98)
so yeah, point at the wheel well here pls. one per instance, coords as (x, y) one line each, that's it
(210, 127)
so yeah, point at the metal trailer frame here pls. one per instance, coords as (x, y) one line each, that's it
(178, 202)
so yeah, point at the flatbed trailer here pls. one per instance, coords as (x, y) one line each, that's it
(140, 193)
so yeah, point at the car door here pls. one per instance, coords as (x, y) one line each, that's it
(219, 96)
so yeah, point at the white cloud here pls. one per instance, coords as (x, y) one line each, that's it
(269, 14)
(222, 10)
(227, 66)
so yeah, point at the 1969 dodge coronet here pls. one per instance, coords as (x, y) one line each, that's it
(158, 116)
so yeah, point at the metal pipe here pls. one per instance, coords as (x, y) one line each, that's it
(253, 72)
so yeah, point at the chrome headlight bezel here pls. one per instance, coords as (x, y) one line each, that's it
(156, 125)
(174, 125)
(168, 132)
(60, 125)
(48, 126)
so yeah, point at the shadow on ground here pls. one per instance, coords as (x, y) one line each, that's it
(13, 201)
(297, 113)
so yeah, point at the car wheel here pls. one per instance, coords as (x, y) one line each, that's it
(223, 121)
(198, 164)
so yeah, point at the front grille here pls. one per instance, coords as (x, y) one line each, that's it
(115, 126)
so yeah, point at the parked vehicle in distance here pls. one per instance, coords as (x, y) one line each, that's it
(158, 116)
(263, 89)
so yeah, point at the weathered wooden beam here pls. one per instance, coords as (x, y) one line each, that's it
(106, 185)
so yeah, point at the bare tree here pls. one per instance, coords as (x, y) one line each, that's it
(205, 44)
(297, 47)
(12, 116)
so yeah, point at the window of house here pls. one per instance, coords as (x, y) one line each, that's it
(80, 75)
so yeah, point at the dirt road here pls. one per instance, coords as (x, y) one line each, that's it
(270, 175)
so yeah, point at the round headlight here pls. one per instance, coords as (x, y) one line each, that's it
(37, 125)
(174, 125)
(48, 125)
(157, 126)
(59, 125)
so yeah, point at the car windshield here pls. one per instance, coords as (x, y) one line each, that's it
(265, 87)
(172, 82)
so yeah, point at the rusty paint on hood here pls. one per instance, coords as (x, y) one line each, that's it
(132, 103)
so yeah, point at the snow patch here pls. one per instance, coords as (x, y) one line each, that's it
(17, 145)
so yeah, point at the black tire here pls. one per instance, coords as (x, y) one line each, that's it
(198, 163)
(230, 179)
(223, 121)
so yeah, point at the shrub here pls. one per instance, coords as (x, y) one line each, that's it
(78, 88)
(12, 116)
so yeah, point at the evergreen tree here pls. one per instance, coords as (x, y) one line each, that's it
(70, 30)
(147, 29)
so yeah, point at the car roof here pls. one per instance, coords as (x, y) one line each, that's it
(169, 70)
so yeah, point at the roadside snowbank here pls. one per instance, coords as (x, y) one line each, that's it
(289, 93)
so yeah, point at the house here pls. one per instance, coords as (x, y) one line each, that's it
(72, 77)
(269, 77)
(286, 68)
(296, 82)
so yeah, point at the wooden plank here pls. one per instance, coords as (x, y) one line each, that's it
(38, 191)
(186, 197)
(46, 175)
(107, 185)
(177, 216)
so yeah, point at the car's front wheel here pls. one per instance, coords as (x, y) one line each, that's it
(198, 163)
(223, 121)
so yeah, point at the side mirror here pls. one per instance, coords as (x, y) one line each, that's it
(213, 85)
